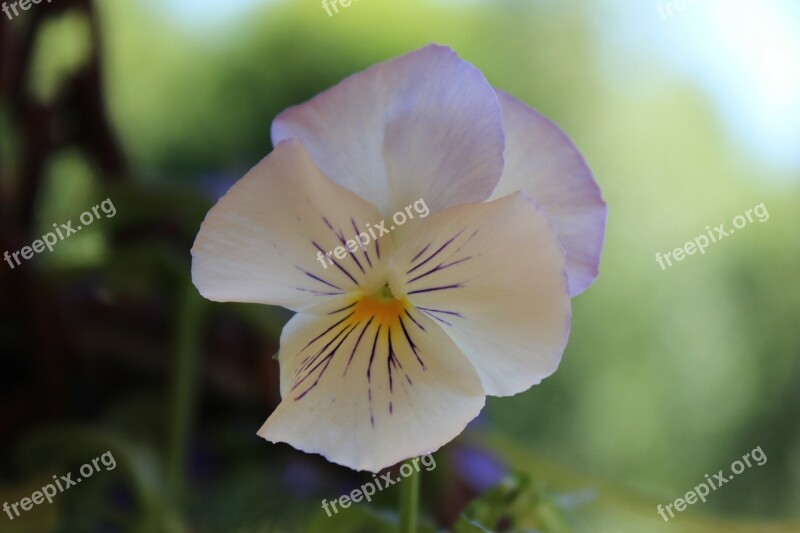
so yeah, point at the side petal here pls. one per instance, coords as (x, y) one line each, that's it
(263, 240)
(367, 393)
(424, 125)
(492, 276)
(541, 160)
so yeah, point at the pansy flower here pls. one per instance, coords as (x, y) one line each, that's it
(397, 342)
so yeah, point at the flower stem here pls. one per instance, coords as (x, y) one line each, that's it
(409, 503)
(185, 359)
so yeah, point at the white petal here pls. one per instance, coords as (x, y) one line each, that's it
(260, 242)
(541, 160)
(362, 402)
(492, 275)
(424, 125)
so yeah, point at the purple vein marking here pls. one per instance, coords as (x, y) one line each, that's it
(413, 319)
(434, 254)
(433, 289)
(343, 309)
(312, 276)
(438, 268)
(390, 363)
(327, 223)
(465, 242)
(319, 293)
(369, 376)
(350, 359)
(327, 360)
(421, 252)
(430, 312)
(411, 343)
(372, 355)
(337, 265)
(352, 254)
(394, 361)
(453, 313)
(309, 359)
(326, 331)
(369, 396)
(443, 321)
(361, 245)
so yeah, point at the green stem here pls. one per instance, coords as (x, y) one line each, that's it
(409, 503)
(185, 352)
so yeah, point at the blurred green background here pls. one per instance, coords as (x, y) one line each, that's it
(687, 121)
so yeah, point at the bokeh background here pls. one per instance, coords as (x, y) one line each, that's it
(688, 117)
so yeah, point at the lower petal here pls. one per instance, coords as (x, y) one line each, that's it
(370, 391)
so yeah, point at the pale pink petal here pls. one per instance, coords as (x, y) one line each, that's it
(541, 160)
(424, 125)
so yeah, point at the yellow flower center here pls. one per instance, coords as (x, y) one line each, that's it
(382, 305)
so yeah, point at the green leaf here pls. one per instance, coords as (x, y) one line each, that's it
(517, 504)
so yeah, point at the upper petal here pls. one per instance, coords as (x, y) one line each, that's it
(261, 243)
(368, 393)
(424, 125)
(492, 276)
(541, 160)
